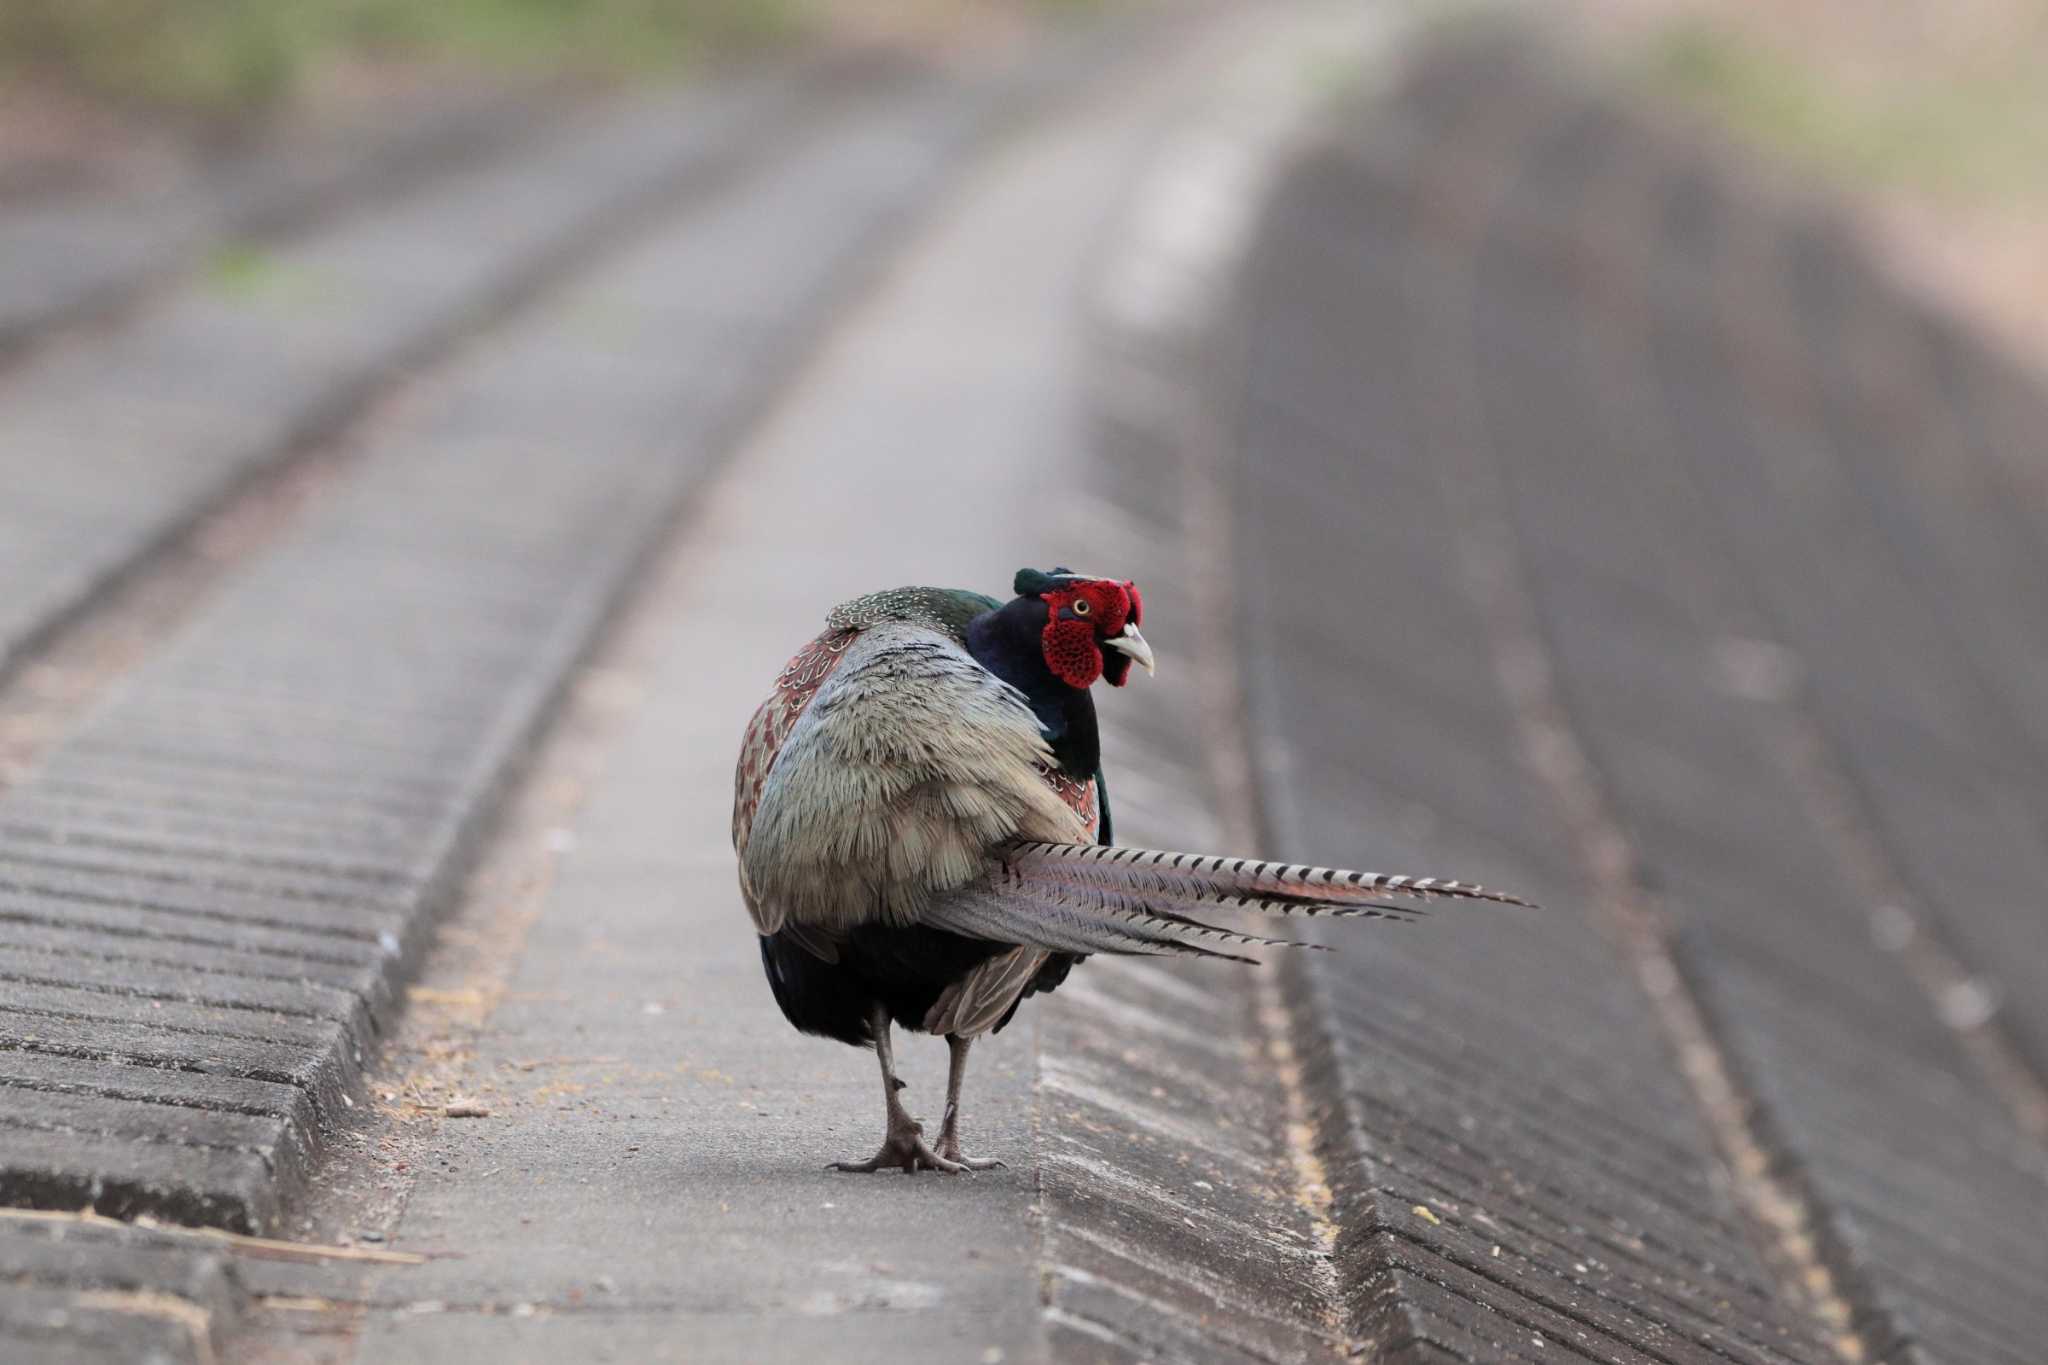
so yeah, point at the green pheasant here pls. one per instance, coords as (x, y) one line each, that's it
(924, 832)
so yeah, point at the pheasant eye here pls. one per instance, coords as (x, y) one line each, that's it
(1081, 607)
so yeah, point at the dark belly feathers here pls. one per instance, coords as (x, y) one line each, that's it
(905, 969)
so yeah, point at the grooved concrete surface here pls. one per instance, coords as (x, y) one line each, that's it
(110, 447)
(244, 842)
(79, 1292)
(1778, 582)
(88, 247)
(1582, 522)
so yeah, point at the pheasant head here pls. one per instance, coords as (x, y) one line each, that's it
(1091, 625)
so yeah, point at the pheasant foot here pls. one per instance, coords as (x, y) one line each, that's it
(904, 1149)
(949, 1150)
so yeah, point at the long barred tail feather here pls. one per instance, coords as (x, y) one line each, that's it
(1188, 879)
(1094, 898)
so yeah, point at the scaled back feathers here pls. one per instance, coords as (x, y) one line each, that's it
(947, 610)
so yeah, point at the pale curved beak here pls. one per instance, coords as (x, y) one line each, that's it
(1133, 644)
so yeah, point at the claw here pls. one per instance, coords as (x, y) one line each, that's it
(949, 1150)
(981, 1163)
(904, 1149)
(908, 1154)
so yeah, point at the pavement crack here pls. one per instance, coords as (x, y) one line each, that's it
(240, 971)
(107, 1092)
(223, 917)
(310, 1088)
(58, 920)
(265, 1154)
(170, 848)
(53, 977)
(155, 1025)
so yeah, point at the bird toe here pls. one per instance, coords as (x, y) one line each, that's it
(906, 1151)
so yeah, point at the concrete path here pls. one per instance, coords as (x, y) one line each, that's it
(1499, 515)
(658, 1192)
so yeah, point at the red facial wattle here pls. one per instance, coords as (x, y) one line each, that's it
(1079, 617)
(1071, 652)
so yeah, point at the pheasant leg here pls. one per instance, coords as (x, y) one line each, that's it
(903, 1145)
(949, 1131)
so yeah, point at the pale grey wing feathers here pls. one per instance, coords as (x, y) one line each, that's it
(905, 774)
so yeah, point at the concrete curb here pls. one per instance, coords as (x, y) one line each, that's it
(1517, 341)
(1185, 1217)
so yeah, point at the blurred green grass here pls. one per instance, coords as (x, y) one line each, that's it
(1975, 131)
(224, 59)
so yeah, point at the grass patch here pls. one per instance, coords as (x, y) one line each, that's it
(602, 35)
(231, 58)
(1975, 134)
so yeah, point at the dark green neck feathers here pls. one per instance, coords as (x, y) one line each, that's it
(945, 609)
